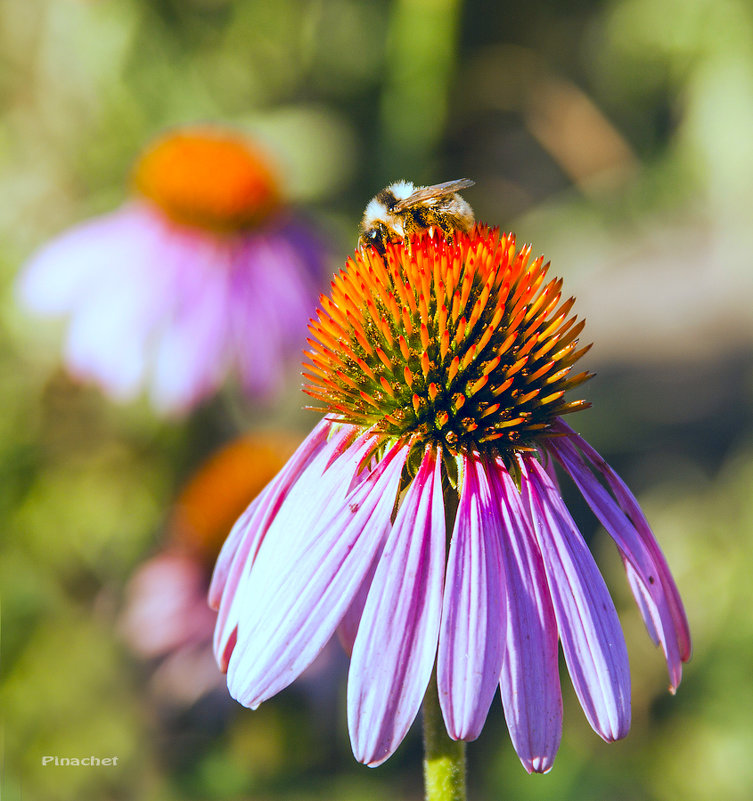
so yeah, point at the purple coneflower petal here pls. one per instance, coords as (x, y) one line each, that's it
(303, 580)
(472, 633)
(630, 506)
(530, 682)
(255, 277)
(348, 628)
(107, 342)
(173, 307)
(644, 572)
(239, 551)
(649, 610)
(191, 354)
(281, 509)
(303, 454)
(60, 274)
(396, 645)
(632, 509)
(79, 273)
(272, 267)
(589, 629)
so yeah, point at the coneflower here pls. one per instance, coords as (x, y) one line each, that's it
(421, 519)
(178, 288)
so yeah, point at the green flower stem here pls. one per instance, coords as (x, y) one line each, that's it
(444, 759)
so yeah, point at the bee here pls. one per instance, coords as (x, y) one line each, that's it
(402, 209)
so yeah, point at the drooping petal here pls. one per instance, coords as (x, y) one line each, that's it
(164, 610)
(62, 273)
(589, 629)
(240, 549)
(530, 682)
(113, 320)
(303, 581)
(394, 651)
(268, 267)
(81, 272)
(649, 610)
(287, 476)
(472, 633)
(645, 573)
(192, 349)
(351, 620)
(243, 542)
(632, 509)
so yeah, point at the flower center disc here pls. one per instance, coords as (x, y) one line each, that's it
(461, 344)
(208, 178)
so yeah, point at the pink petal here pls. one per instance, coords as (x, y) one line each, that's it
(649, 610)
(394, 652)
(191, 351)
(348, 628)
(472, 633)
(111, 326)
(308, 570)
(103, 274)
(239, 551)
(269, 267)
(237, 540)
(629, 505)
(280, 486)
(530, 682)
(63, 272)
(165, 609)
(589, 628)
(644, 573)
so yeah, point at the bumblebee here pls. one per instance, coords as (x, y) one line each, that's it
(402, 209)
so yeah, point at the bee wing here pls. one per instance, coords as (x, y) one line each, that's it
(428, 192)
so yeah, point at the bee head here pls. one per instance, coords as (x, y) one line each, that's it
(376, 235)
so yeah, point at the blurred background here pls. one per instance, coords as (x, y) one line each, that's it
(615, 135)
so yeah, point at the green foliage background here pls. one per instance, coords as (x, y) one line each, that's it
(613, 134)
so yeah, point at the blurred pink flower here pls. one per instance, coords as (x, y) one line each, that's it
(202, 274)
(166, 607)
(165, 616)
(421, 519)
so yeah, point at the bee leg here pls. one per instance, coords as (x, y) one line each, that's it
(412, 223)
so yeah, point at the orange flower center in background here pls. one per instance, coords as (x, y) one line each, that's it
(209, 178)
(222, 488)
(462, 344)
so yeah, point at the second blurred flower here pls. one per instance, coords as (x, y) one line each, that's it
(179, 286)
(166, 617)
